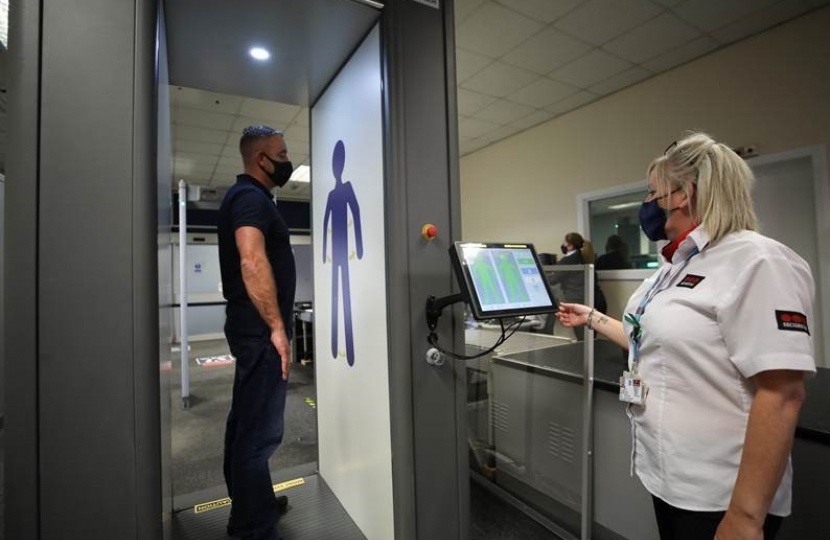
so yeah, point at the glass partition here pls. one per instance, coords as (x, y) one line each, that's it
(529, 406)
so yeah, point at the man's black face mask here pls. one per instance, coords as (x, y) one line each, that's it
(282, 171)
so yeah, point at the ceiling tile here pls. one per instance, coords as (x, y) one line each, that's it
(464, 8)
(543, 10)
(598, 21)
(541, 93)
(572, 102)
(184, 167)
(182, 96)
(493, 30)
(617, 82)
(298, 159)
(472, 145)
(660, 34)
(470, 102)
(473, 127)
(761, 20)
(200, 134)
(185, 116)
(230, 150)
(499, 79)
(228, 172)
(278, 113)
(708, 15)
(195, 160)
(234, 163)
(296, 134)
(546, 51)
(183, 145)
(296, 147)
(592, 68)
(533, 119)
(500, 133)
(468, 64)
(302, 118)
(504, 112)
(682, 54)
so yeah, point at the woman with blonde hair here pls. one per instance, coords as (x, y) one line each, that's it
(719, 345)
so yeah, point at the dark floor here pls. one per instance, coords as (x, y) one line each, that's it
(493, 519)
(198, 433)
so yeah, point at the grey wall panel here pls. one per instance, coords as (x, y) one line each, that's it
(145, 342)
(422, 187)
(96, 303)
(21, 459)
(85, 282)
(164, 209)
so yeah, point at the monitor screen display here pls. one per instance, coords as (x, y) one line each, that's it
(501, 280)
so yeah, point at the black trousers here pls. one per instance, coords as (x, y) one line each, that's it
(677, 524)
(253, 432)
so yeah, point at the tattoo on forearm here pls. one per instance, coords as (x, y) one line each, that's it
(603, 319)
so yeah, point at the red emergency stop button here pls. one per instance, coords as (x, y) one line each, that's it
(429, 231)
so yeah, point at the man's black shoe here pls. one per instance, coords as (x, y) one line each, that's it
(281, 503)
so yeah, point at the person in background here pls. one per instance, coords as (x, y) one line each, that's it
(719, 344)
(577, 251)
(615, 256)
(258, 280)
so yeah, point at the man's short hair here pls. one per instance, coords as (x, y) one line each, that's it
(251, 135)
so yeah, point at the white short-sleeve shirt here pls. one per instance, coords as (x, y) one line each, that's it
(739, 307)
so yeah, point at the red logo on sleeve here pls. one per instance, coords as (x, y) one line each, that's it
(792, 320)
(690, 281)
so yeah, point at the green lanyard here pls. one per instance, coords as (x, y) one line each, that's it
(636, 335)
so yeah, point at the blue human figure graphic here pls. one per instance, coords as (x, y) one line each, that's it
(341, 199)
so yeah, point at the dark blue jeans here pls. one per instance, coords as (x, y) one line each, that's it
(254, 431)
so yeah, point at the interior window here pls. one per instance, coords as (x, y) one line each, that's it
(615, 230)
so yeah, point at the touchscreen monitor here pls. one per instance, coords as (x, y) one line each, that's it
(501, 280)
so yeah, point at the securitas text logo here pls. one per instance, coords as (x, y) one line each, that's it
(690, 281)
(792, 320)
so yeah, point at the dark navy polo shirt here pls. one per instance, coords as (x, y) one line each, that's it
(249, 203)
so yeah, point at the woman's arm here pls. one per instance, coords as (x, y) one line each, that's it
(769, 439)
(571, 315)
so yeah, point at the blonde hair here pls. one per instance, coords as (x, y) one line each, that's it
(722, 202)
(588, 254)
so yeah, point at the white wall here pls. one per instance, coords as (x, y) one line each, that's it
(353, 400)
(771, 91)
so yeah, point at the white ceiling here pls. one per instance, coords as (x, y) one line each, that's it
(519, 63)
(523, 62)
(206, 127)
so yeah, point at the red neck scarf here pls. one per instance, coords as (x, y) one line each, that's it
(668, 250)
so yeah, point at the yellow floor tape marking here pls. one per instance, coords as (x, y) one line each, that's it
(310, 403)
(219, 503)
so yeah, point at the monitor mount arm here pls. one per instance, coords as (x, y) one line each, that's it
(435, 306)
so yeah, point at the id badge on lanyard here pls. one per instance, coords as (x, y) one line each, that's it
(632, 387)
